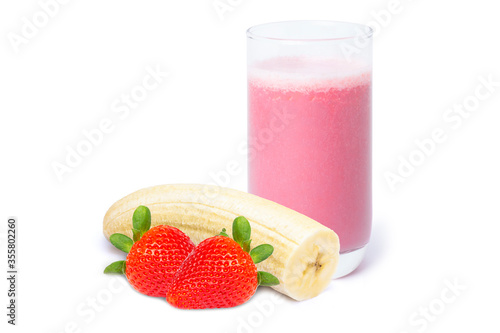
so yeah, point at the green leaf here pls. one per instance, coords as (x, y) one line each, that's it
(267, 279)
(118, 267)
(261, 253)
(223, 233)
(241, 232)
(121, 242)
(142, 219)
(246, 245)
(137, 234)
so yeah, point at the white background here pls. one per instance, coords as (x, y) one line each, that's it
(441, 224)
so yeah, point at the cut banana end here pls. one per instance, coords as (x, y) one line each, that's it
(311, 266)
(306, 253)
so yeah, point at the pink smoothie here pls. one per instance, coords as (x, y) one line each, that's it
(310, 142)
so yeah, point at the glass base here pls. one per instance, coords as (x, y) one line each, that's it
(348, 262)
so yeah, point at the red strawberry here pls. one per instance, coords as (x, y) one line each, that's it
(217, 274)
(153, 261)
(154, 258)
(220, 273)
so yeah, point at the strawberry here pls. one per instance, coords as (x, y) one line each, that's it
(154, 257)
(220, 272)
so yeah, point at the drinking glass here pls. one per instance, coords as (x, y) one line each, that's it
(309, 125)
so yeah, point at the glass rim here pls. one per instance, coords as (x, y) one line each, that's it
(363, 31)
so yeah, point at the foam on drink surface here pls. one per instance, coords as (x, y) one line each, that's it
(308, 74)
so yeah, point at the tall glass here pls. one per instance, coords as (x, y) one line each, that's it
(309, 112)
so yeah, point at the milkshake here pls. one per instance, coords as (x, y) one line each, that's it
(309, 139)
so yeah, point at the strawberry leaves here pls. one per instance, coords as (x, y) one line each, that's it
(241, 232)
(118, 267)
(141, 222)
(241, 235)
(267, 279)
(261, 253)
(121, 242)
(223, 233)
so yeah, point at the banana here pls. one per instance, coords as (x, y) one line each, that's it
(305, 255)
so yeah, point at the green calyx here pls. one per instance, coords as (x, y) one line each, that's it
(261, 252)
(241, 232)
(141, 224)
(121, 242)
(241, 235)
(223, 233)
(267, 279)
(118, 267)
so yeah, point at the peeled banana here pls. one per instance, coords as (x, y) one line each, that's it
(305, 255)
